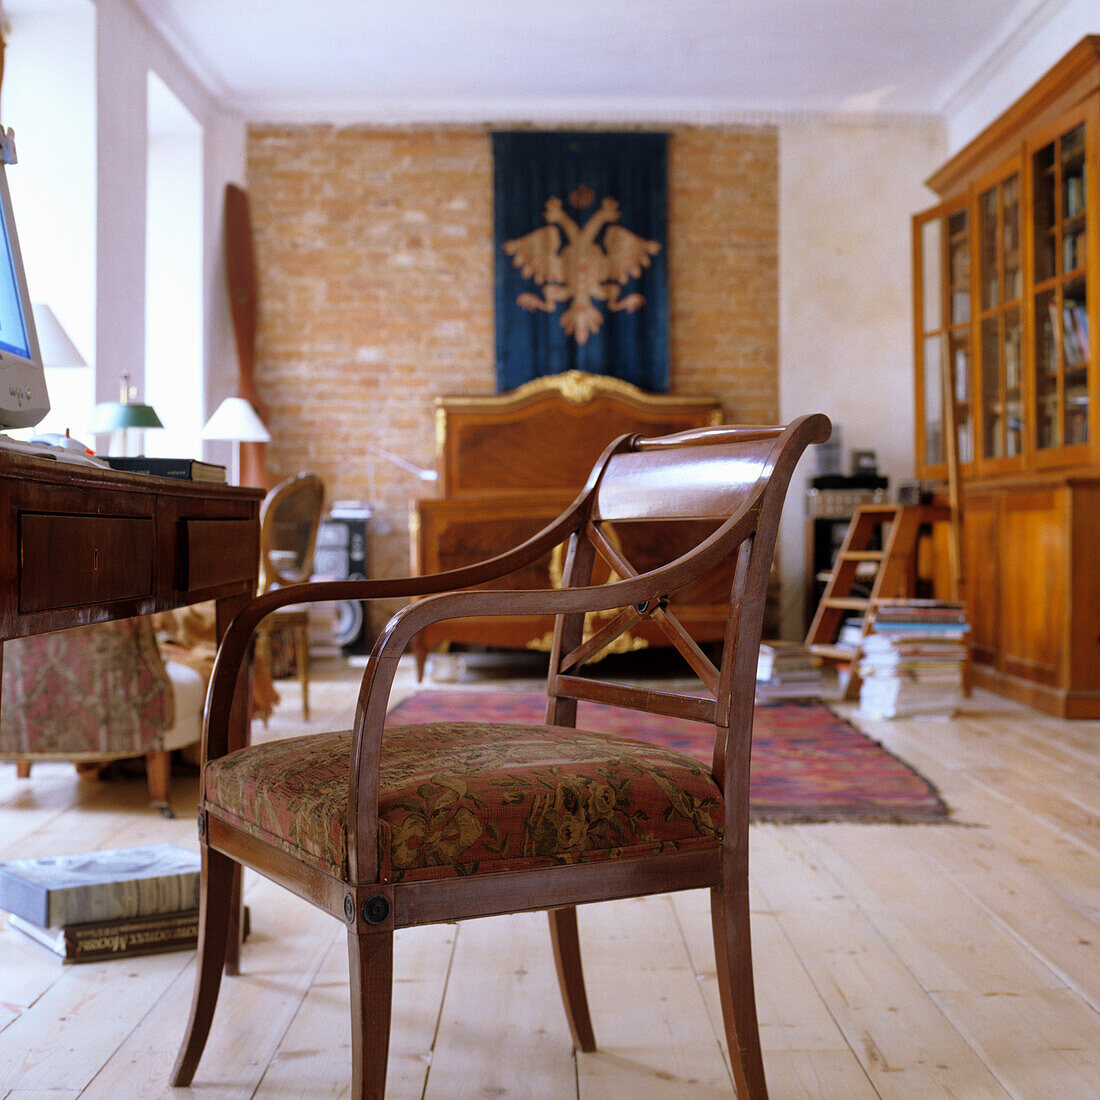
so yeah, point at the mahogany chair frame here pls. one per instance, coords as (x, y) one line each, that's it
(737, 476)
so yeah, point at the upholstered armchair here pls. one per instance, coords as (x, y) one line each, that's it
(99, 693)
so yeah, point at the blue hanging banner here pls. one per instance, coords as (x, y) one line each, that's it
(581, 236)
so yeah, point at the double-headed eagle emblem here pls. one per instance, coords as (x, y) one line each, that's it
(584, 271)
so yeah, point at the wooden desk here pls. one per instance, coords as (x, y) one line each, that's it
(81, 544)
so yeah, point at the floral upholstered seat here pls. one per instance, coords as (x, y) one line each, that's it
(459, 799)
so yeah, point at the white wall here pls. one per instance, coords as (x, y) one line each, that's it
(846, 196)
(173, 274)
(127, 50)
(49, 101)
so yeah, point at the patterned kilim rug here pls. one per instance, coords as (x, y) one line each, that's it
(808, 765)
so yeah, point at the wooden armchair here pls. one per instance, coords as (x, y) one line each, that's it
(391, 827)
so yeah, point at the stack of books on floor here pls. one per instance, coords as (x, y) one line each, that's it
(913, 659)
(787, 670)
(117, 903)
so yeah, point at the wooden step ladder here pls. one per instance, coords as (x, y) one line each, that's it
(898, 527)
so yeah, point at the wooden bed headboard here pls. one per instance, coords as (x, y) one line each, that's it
(548, 433)
(509, 463)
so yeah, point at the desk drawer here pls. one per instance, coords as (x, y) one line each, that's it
(70, 561)
(217, 552)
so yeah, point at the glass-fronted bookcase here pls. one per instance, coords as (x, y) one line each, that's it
(1007, 343)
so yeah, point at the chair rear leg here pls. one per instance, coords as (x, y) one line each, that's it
(567, 959)
(301, 659)
(370, 962)
(215, 900)
(158, 772)
(729, 914)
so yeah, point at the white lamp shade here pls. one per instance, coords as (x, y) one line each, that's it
(53, 341)
(236, 419)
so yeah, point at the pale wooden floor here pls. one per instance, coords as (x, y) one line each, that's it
(895, 961)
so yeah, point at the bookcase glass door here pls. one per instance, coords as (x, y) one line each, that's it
(943, 261)
(1000, 281)
(931, 346)
(1060, 297)
(958, 331)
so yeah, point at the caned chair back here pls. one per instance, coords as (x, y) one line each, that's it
(289, 519)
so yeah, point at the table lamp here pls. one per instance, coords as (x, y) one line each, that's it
(122, 416)
(236, 420)
(58, 351)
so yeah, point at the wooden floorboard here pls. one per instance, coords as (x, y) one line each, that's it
(957, 960)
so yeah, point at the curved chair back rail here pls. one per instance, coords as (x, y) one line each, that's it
(540, 816)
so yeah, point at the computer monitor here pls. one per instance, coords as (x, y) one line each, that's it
(23, 398)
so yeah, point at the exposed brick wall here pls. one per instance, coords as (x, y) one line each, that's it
(374, 259)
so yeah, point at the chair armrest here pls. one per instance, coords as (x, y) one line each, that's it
(235, 642)
(637, 590)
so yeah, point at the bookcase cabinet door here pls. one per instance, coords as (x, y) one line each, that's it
(1034, 592)
(981, 552)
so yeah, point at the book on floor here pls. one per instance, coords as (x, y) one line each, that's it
(125, 937)
(787, 670)
(54, 891)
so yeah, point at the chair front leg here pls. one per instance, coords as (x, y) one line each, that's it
(729, 914)
(215, 902)
(567, 958)
(370, 962)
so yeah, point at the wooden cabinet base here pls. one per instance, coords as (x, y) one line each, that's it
(1030, 546)
(1054, 701)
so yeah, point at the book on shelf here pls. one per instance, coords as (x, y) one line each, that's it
(54, 891)
(184, 469)
(124, 937)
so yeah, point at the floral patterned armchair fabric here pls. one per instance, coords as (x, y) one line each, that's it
(98, 693)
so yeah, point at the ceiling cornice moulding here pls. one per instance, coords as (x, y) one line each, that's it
(551, 114)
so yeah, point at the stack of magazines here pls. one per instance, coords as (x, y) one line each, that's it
(913, 659)
(787, 670)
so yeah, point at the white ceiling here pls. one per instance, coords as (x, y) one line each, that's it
(584, 60)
